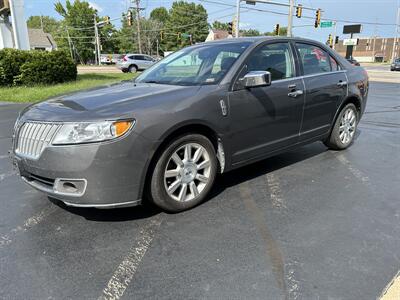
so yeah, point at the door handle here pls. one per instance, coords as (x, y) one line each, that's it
(295, 93)
(342, 83)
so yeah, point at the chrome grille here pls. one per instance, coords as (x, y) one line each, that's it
(34, 137)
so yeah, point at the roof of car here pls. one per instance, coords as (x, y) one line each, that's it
(253, 39)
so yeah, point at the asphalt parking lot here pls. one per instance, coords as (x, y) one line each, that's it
(307, 224)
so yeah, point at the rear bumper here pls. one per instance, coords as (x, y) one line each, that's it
(107, 174)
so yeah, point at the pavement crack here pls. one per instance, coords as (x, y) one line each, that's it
(273, 251)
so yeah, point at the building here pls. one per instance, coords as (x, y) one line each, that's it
(372, 49)
(40, 40)
(217, 34)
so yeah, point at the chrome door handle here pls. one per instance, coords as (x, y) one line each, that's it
(295, 93)
(342, 83)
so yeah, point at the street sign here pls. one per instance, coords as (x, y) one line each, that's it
(356, 28)
(350, 42)
(185, 35)
(326, 24)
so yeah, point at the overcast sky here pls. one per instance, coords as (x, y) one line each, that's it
(369, 11)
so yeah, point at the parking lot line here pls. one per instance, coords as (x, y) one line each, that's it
(7, 239)
(353, 170)
(275, 191)
(124, 273)
(6, 175)
(392, 291)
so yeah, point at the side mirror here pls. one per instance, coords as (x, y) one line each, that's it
(255, 79)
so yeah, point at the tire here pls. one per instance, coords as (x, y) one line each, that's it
(344, 129)
(132, 69)
(189, 175)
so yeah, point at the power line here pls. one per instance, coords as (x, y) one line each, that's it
(306, 17)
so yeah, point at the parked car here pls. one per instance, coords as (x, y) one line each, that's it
(395, 66)
(134, 62)
(206, 109)
(353, 61)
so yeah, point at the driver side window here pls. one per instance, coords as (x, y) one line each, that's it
(275, 58)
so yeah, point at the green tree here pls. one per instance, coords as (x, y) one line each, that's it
(126, 37)
(159, 14)
(79, 24)
(219, 25)
(50, 25)
(249, 32)
(185, 18)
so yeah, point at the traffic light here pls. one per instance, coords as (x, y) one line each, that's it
(330, 40)
(299, 10)
(317, 18)
(162, 35)
(130, 18)
(4, 7)
(337, 39)
(107, 20)
(230, 27)
(276, 29)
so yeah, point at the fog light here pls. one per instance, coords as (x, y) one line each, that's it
(70, 187)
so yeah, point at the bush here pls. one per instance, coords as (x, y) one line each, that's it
(19, 67)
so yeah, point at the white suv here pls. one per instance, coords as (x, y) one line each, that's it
(133, 62)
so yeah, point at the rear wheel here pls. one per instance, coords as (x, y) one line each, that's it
(345, 127)
(184, 173)
(132, 69)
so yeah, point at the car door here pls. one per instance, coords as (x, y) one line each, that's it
(140, 61)
(267, 118)
(325, 87)
(148, 61)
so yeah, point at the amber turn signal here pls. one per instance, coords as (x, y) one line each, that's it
(121, 127)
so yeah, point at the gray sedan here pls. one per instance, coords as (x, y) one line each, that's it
(206, 109)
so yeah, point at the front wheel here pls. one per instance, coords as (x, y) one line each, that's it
(184, 173)
(345, 127)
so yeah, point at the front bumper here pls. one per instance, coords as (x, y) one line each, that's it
(112, 172)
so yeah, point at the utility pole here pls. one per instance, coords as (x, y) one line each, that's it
(97, 41)
(237, 18)
(137, 2)
(69, 44)
(41, 22)
(290, 18)
(334, 35)
(395, 41)
(157, 43)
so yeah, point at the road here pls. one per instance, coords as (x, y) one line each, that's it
(307, 224)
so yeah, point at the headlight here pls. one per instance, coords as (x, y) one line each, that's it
(77, 133)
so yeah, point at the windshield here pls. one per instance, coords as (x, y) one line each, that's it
(199, 65)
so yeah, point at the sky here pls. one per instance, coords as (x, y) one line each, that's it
(354, 11)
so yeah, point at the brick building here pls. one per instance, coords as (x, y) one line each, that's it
(372, 49)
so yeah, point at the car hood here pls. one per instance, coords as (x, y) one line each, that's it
(107, 102)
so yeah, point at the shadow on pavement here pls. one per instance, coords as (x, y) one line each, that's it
(224, 181)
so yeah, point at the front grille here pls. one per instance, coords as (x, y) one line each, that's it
(34, 137)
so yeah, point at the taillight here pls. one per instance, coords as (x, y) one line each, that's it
(124, 58)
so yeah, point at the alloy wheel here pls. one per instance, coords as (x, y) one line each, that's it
(187, 172)
(347, 126)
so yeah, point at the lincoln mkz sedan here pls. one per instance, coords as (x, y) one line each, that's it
(206, 109)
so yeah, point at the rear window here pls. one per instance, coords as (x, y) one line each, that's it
(314, 59)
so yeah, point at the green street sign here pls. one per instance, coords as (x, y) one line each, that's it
(185, 35)
(326, 24)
